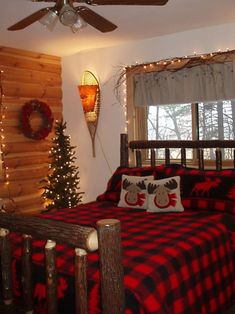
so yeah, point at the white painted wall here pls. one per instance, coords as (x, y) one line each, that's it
(105, 63)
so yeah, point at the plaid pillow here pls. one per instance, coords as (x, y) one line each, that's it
(164, 171)
(204, 189)
(114, 185)
(208, 192)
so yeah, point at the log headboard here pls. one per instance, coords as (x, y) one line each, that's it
(183, 145)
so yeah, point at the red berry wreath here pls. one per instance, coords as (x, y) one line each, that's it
(45, 111)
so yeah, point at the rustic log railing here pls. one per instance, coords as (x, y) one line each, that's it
(152, 146)
(84, 239)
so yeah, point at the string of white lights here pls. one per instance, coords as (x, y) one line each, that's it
(3, 168)
(163, 64)
(171, 61)
(2, 136)
(124, 92)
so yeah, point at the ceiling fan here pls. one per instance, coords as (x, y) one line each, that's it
(77, 17)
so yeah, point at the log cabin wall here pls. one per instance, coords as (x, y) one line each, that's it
(26, 76)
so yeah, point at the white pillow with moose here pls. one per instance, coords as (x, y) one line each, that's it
(134, 191)
(164, 195)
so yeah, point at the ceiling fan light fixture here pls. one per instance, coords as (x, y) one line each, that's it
(80, 23)
(68, 16)
(49, 20)
(65, 11)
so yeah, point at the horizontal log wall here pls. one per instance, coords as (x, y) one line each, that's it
(27, 75)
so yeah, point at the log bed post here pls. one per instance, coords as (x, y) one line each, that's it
(138, 158)
(200, 156)
(153, 158)
(218, 159)
(51, 277)
(27, 274)
(124, 154)
(167, 156)
(234, 158)
(6, 267)
(81, 281)
(112, 286)
(183, 156)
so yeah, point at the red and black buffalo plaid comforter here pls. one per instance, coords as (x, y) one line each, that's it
(173, 263)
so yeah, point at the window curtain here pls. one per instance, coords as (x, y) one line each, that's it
(200, 83)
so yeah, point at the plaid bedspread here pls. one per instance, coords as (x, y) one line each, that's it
(174, 263)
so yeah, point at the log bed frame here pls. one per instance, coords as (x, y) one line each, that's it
(199, 146)
(84, 240)
(105, 238)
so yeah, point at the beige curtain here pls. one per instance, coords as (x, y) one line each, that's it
(200, 83)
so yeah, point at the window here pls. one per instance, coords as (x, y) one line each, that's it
(216, 120)
(182, 82)
(170, 122)
(175, 122)
(203, 121)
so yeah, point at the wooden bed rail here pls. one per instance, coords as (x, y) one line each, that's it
(199, 146)
(106, 238)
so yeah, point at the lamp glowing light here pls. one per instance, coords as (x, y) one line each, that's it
(88, 95)
(90, 98)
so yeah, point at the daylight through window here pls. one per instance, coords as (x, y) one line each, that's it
(203, 121)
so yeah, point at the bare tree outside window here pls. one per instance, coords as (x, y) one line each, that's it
(170, 122)
(216, 120)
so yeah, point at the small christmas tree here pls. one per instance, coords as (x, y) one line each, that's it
(61, 190)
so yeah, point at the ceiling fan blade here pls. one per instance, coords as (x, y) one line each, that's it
(125, 2)
(95, 20)
(29, 20)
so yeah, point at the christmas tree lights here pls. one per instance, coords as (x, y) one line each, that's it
(62, 188)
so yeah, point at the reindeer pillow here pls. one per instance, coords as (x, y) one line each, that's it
(134, 191)
(164, 195)
(209, 192)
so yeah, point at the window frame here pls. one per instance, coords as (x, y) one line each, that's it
(137, 128)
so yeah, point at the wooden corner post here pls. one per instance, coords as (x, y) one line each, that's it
(112, 286)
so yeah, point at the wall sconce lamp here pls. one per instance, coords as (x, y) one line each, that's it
(90, 97)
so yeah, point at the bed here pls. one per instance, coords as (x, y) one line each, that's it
(176, 251)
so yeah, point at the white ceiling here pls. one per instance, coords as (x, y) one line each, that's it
(134, 23)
